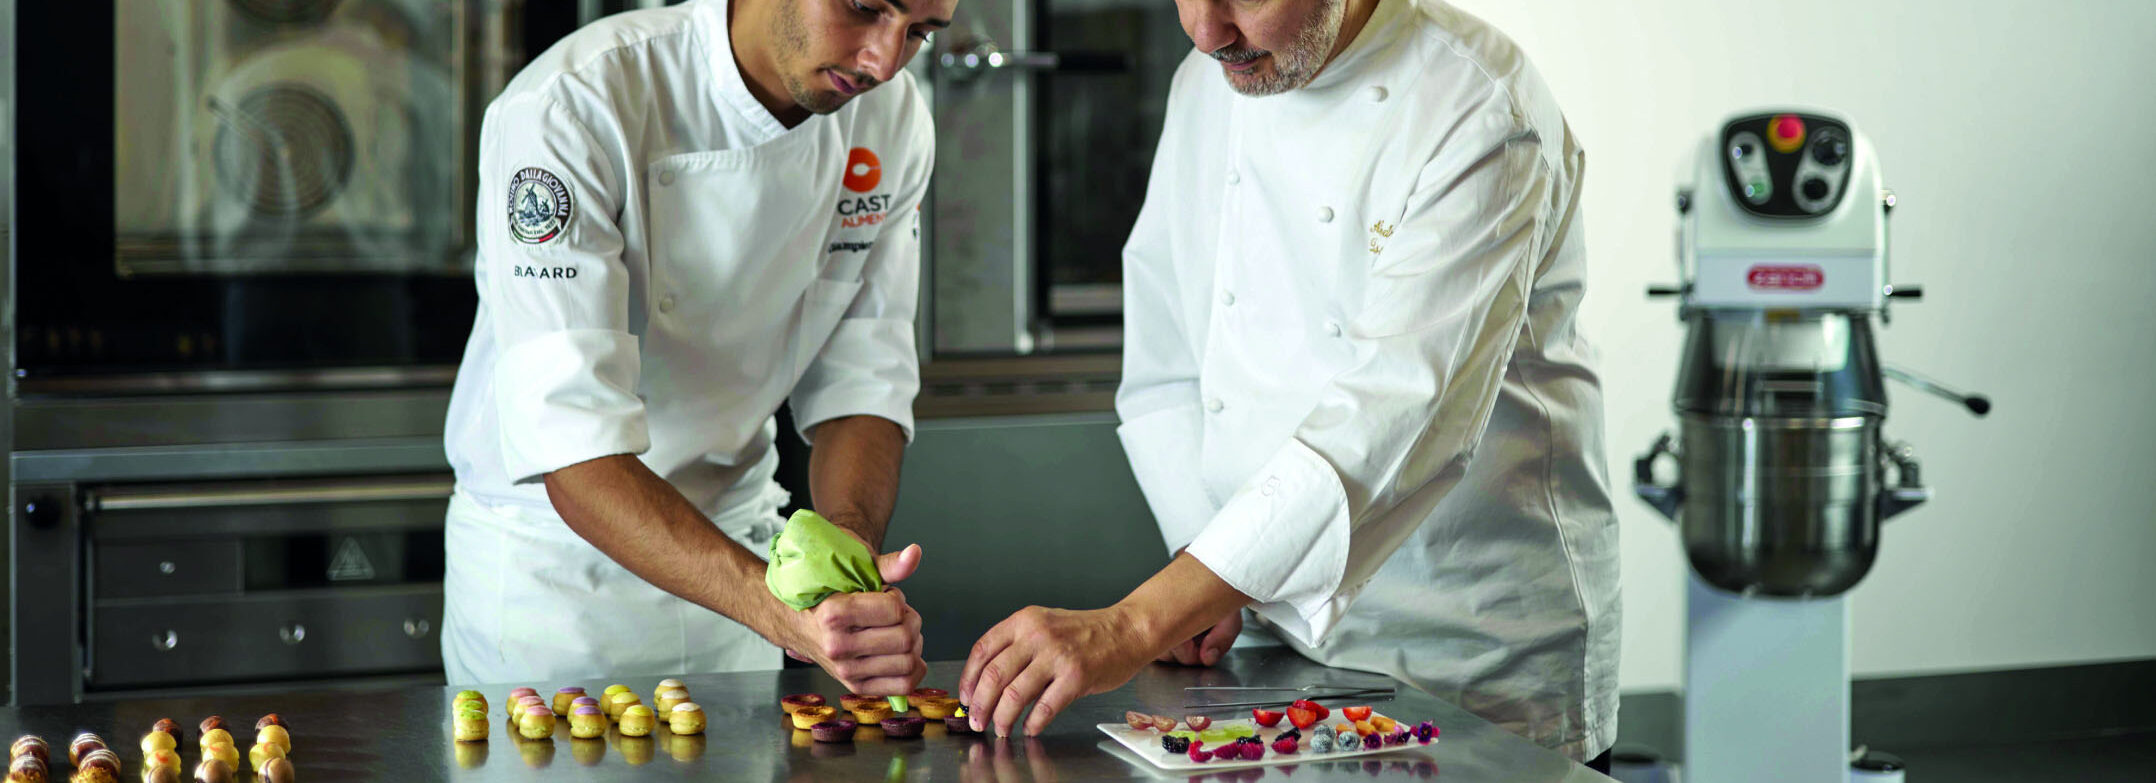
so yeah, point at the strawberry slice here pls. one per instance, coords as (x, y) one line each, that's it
(1302, 717)
(1265, 717)
(1356, 714)
(1312, 706)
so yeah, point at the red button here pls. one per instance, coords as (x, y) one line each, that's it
(1787, 133)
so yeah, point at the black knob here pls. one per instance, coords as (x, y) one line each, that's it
(1816, 189)
(43, 513)
(1830, 150)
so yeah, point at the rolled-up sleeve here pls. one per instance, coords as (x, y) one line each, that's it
(1388, 437)
(869, 366)
(556, 292)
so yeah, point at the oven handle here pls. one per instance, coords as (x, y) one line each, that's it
(269, 493)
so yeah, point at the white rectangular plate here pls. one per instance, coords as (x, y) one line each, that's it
(1145, 744)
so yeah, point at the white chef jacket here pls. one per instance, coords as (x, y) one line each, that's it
(1353, 384)
(661, 264)
(713, 264)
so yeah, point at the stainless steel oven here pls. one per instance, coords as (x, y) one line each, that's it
(239, 285)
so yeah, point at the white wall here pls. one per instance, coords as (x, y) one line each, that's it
(2021, 138)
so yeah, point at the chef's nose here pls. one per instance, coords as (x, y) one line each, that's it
(883, 56)
(1208, 24)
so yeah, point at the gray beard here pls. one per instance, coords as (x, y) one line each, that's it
(1295, 65)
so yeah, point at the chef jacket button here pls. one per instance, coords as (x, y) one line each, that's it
(1214, 405)
(1227, 298)
(1332, 328)
(666, 303)
(666, 177)
(1325, 214)
(1272, 482)
(1377, 94)
(1233, 177)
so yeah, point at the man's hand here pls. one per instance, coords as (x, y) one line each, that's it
(1205, 650)
(1052, 657)
(869, 642)
(855, 639)
(1048, 658)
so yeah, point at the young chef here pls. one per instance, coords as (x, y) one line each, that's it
(1354, 390)
(687, 216)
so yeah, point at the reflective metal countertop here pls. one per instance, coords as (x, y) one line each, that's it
(404, 735)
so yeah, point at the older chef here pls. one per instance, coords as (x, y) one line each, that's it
(1355, 393)
(687, 216)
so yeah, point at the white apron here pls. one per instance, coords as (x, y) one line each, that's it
(526, 600)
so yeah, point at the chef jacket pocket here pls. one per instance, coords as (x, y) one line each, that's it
(821, 309)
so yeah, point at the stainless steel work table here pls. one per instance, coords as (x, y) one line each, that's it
(404, 735)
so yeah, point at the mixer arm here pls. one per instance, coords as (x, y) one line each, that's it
(1976, 403)
(1909, 491)
(1666, 498)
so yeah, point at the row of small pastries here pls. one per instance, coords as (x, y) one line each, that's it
(588, 717)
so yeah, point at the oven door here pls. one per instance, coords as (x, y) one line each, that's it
(237, 582)
(252, 186)
(1047, 113)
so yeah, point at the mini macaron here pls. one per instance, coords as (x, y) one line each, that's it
(871, 712)
(563, 697)
(958, 724)
(668, 684)
(470, 725)
(84, 743)
(791, 704)
(277, 770)
(156, 741)
(807, 717)
(215, 737)
(903, 727)
(686, 718)
(586, 721)
(102, 758)
(509, 705)
(264, 751)
(467, 697)
(621, 701)
(211, 722)
(275, 735)
(163, 758)
(637, 721)
(223, 751)
(274, 719)
(852, 700)
(930, 693)
(30, 745)
(213, 770)
(935, 707)
(538, 722)
(168, 726)
(28, 769)
(839, 730)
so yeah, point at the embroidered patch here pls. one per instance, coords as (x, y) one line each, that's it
(539, 206)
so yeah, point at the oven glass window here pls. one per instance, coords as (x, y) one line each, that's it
(288, 136)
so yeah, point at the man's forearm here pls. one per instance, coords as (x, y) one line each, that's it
(1179, 602)
(853, 473)
(645, 524)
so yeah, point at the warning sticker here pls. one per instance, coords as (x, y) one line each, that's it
(350, 563)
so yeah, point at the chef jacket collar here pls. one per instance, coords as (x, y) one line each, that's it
(1354, 62)
(732, 91)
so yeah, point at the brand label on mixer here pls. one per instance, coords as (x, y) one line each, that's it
(1769, 277)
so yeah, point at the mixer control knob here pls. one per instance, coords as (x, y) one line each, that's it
(1816, 189)
(1830, 149)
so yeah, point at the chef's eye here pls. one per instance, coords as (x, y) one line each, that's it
(920, 34)
(866, 11)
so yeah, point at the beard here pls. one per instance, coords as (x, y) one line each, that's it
(792, 37)
(1293, 66)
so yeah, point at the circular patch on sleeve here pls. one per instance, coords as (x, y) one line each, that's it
(539, 206)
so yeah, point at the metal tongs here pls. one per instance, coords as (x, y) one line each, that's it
(1311, 692)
